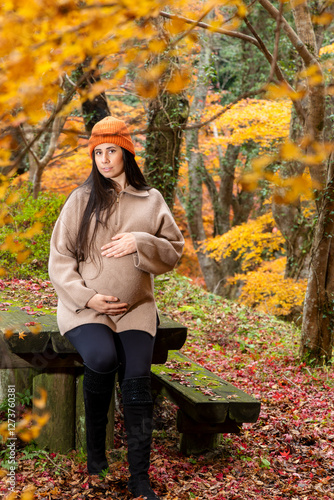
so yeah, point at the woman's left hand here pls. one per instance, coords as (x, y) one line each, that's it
(120, 245)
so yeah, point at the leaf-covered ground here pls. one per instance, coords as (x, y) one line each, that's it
(287, 454)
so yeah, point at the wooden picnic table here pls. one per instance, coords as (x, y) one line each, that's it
(47, 359)
(208, 406)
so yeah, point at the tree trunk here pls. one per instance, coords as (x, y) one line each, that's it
(223, 199)
(197, 174)
(225, 195)
(317, 338)
(96, 109)
(318, 319)
(294, 226)
(167, 113)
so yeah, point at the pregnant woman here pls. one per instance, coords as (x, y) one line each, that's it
(113, 235)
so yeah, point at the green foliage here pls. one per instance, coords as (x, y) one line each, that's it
(241, 66)
(21, 398)
(24, 213)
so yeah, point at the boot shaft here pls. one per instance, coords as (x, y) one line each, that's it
(98, 389)
(138, 421)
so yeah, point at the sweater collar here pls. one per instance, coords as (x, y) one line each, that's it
(129, 190)
(135, 192)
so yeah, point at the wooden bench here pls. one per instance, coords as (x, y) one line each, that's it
(208, 406)
(48, 360)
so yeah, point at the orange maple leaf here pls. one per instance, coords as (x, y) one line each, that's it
(8, 332)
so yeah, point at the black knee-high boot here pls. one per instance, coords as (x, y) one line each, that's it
(138, 420)
(97, 389)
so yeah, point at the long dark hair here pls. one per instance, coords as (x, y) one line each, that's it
(101, 201)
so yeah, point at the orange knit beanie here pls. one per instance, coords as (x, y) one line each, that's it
(111, 130)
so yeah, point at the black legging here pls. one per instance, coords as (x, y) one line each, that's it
(103, 350)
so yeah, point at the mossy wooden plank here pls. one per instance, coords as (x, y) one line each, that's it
(202, 394)
(170, 335)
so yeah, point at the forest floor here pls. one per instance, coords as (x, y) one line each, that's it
(287, 454)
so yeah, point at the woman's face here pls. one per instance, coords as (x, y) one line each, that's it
(109, 160)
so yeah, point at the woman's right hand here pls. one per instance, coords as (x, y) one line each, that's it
(106, 304)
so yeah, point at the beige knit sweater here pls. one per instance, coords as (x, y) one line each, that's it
(129, 278)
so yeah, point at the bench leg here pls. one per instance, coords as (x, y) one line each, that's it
(21, 378)
(191, 444)
(199, 437)
(58, 433)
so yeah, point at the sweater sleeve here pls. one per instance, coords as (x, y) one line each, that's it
(159, 253)
(63, 270)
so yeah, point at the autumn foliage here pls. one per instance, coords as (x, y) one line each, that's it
(259, 245)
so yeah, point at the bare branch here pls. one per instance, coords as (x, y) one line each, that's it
(48, 122)
(28, 144)
(265, 51)
(255, 40)
(206, 26)
(245, 95)
(277, 36)
(300, 47)
(66, 154)
(198, 125)
(192, 27)
(298, 107)
(55, 133)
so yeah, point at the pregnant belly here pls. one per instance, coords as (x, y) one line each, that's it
(119, 278)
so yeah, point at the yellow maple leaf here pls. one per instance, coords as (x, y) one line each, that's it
(262, 162)
(157, 46)
(290, 151)
(324, 19)
(35, 328)
(40, 403)
(242, 10)
(25, 435)
(28, 493)
(12, 496)
(70, 139)
(43, 419)
(178, 82)
(12, 244)
(315, 80)
(12, 198)
(22, 256)
(154, 72)
(8, 332)
(249, 182)
(36, 228)
(176, 26)
(4, 430)
(147, 89)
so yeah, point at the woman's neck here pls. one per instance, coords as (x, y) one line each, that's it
(121, 181)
